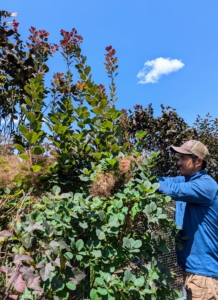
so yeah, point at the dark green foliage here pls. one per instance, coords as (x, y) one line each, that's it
(207, 132)
(168, 129)
(18, 64)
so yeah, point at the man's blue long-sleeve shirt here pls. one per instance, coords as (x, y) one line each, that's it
(197, 214)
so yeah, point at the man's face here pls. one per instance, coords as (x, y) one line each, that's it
(187, 166)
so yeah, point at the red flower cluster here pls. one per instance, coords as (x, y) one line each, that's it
(43, 34)
(101, 86)
(110, 60)
(110, 51)
(70, 39)
(108, 48)
(38, 35)
(54, 47)
(15, 25)
(102, 90)
(39, 40)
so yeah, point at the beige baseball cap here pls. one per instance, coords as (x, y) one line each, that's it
(193, 147)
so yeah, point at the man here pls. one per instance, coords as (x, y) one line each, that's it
(198, 194)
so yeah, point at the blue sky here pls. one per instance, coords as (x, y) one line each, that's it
(172, 44)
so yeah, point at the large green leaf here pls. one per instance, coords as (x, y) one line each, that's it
(115, 148)
(23, 129)
(35, 168)
(19, 148)
(71, 286)
(127, 242)
(38, 150)
(128, 276)
(31, 116)
(97, 155)
(94, 295)
(139, 281)
(113, 221)
(137, 244)
(24, 156)
(98, 110)
(68, 255)
(31, 137)
(100, 234)
(97, 253)
(28, 101)
(79, 244)
(103, 103)
(87, 70)
(102, 291)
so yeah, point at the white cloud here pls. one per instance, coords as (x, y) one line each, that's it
(14, 14)
(154, 69)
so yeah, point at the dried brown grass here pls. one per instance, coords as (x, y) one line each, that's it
(105, 184)
(11, 166)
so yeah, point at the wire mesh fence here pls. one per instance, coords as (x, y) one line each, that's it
(170, 259)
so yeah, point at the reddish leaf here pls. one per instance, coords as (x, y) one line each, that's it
(34, 226)
(15, 297)
(108, 48)
(5, 233)
(78, 276)
(7, 270)
(20, 284)
(32, 29)
(46, 270)
(13, 278)
(18, 258)
(15, 25)
(113, 51)
(57, 262)
(27, 272)
(34, 284)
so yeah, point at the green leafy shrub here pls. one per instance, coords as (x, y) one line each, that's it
(90, 248)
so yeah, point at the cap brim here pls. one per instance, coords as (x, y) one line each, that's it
(179, 150)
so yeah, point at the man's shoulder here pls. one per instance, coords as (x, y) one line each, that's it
(206, 179)
(205, 175)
